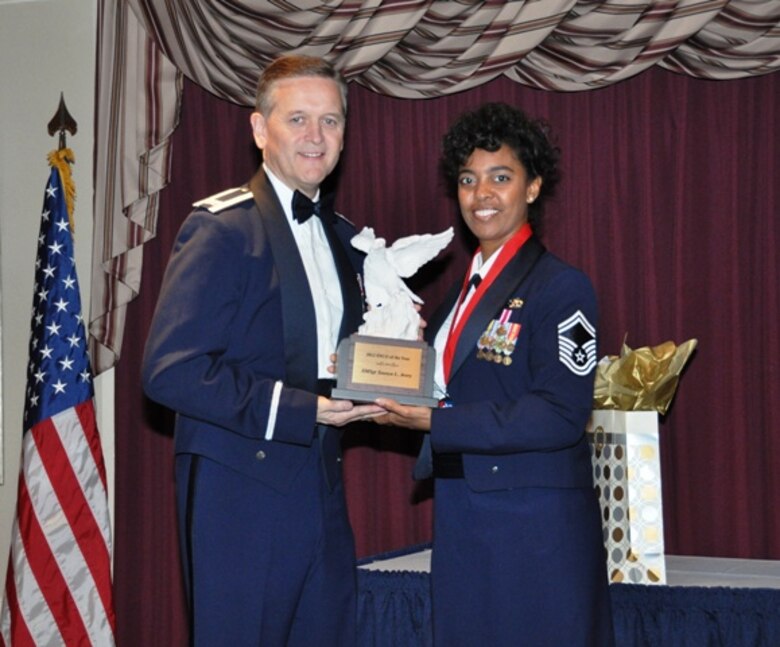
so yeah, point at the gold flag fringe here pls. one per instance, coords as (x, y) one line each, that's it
(62, 159)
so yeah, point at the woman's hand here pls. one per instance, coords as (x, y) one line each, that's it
(423, 323)
(401, 415)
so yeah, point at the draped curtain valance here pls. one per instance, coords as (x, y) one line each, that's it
(423, 48)
(401, 48)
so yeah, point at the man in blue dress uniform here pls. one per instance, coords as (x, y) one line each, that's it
(256, 295)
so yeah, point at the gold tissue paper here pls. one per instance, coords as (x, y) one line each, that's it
(644, 379)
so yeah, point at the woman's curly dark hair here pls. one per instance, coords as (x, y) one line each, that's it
(489, 127)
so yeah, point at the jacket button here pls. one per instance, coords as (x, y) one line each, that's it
(260, 455)
(494, 469)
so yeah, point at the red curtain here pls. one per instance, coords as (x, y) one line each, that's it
(669, 201)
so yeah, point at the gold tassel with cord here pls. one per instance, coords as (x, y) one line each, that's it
(62, 159)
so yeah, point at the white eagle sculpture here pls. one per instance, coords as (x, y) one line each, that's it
(391, 312)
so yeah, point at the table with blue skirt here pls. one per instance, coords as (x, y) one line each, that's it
(706, 601)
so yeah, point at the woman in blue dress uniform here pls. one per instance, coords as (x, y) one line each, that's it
(518, 555)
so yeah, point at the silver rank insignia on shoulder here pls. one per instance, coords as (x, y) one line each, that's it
(224, 199)
(515, 304)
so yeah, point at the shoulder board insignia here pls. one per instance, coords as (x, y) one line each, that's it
(221, 201)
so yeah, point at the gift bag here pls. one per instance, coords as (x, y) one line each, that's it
(627, 476)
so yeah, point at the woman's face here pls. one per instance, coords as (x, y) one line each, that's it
(494, 193)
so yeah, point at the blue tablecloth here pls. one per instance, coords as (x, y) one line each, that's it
(394, 610)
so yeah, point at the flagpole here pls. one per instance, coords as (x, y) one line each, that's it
(58, 585)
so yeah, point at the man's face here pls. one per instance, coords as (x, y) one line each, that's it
(302, 136)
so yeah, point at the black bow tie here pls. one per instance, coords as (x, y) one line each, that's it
(304, 208)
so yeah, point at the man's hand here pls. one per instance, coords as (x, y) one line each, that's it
(338, 413)
(401, 415)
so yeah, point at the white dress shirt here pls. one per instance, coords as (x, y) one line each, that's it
(320, 271)
(478, 266)
(323, 283)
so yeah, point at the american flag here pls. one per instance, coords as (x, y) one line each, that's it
(58, 585)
